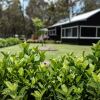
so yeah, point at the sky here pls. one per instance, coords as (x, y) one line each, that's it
(26, 2)
(50, 0)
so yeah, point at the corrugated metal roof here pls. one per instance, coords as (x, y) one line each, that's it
(60, 22)
(80, 17)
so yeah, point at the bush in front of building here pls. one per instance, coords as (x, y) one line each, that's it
(27, 76)
(9, 42)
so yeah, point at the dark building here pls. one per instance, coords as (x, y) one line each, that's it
(84, 28)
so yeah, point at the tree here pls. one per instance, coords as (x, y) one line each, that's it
(51, 12)
(89, 5)
(38, 24)
(56, 11)
(12, 19)
(60, 10)
(37, 8)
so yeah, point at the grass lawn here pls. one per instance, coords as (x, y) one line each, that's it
(61, 49)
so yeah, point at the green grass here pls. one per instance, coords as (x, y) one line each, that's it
(61, 49)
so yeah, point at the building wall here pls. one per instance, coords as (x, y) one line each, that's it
(88, 32)
(58, 33)
(92, 21)
(80, 41)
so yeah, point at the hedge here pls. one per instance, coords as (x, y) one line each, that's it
(27, 76)
(9, 42)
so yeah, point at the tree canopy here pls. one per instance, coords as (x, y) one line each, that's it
(88, 5)
(14, 19)
(38, 24)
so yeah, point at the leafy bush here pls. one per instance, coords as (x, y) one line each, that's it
(3, 43)
(13, 41)
(9, 42)
(26, 76)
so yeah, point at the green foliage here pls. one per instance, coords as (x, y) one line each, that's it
(90, 5)
(26, 77)
(9, 42)
(38, 25)
(13, 21)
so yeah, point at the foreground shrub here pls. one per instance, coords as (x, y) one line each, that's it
(3, 43)
(9, 42)
(26, 77)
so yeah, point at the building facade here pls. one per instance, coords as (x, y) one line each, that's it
(80, 29)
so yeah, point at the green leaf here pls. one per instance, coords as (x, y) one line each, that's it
(78, 78)
(11, 86)
(10, 69)
(21, 71)
(36, 57)
(38, 94)
(91, 69)
(64, 88)
(33, 81)
(59, 79)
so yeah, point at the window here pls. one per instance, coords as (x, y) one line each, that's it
(52, 32)
(88, 31)
(48, 32)
(98, 34)
(63, 32)
(68, 32)
(74, 32)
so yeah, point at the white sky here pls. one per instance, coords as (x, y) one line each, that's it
(50, 0)
(26, 2)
